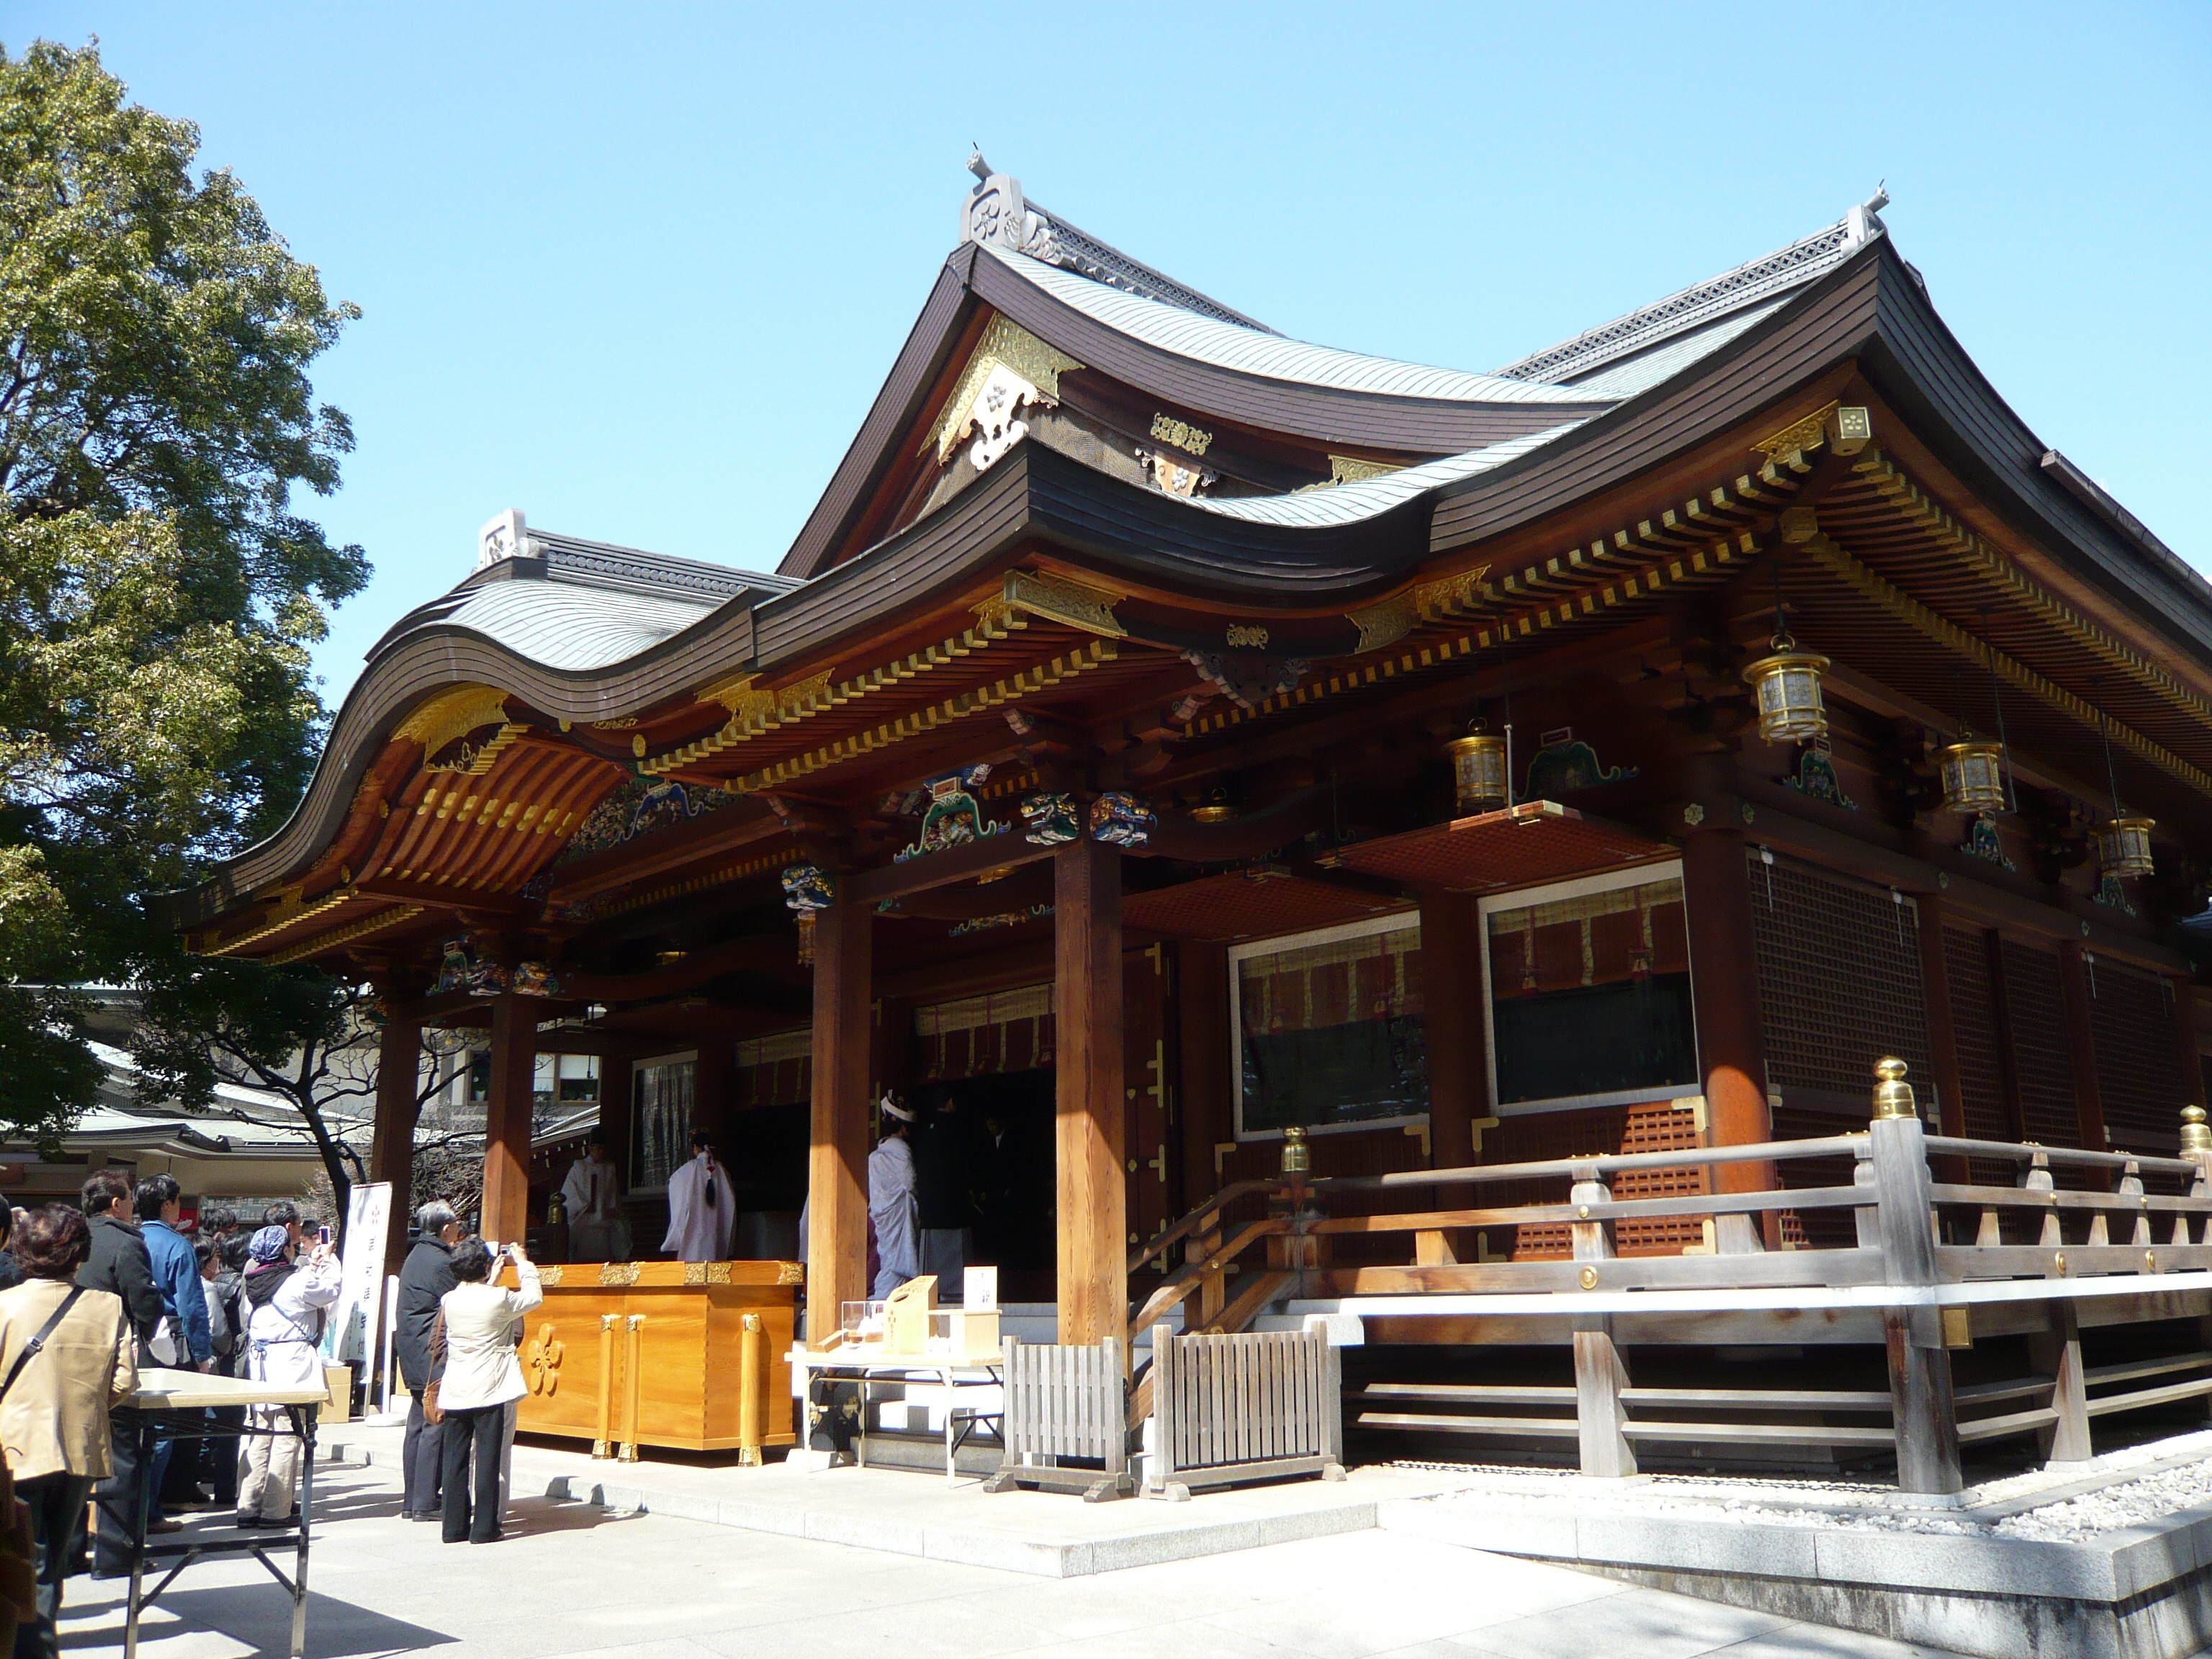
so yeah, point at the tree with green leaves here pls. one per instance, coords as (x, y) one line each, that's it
(158, 591)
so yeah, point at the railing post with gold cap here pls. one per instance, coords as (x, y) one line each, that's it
(1600, 1372)
(1921, 1399)
(634, 1357)
(752, 1340)
(600, 1446)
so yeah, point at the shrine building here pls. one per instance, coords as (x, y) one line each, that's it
(1200, 753)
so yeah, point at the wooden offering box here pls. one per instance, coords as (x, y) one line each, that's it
(690, 1355)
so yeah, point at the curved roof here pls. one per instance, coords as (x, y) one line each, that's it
(1273, 356)
(1349, 503)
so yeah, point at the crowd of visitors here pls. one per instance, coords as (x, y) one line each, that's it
(94, 1296)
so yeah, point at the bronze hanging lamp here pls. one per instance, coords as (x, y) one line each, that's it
(1787, 681)
(1478, 770)
(1218, 809)
(2123, 844)
(1973, 776)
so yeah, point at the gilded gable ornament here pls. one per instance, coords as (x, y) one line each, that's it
(1171, 475)
(1009, 370)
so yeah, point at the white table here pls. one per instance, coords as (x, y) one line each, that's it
(865, 1362)
(173, 1405)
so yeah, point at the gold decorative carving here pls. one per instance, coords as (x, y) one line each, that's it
(790, 1272)
(1383, 624)
(618, 1272)
(1005, 344)
(1245, 635)
(346, 935)
(286, 909)
(706, 1273)
(621, 724)
(1057, 599)
(1349, 469)
(1181, 433)
(1391, 619)
(451, 714)
(550, 1274)
(1786, 447)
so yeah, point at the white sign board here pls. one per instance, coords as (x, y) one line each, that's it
(361, 1274)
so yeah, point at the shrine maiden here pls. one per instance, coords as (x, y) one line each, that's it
(891, 1205)
(598, 1230)
(703, 1214)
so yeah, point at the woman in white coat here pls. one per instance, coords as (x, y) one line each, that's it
(287, 1297)
(482, 1324)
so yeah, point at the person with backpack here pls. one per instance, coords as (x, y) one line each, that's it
(69, 1356)
(287, 1297)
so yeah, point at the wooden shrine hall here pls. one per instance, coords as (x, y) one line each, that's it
(1362, 837)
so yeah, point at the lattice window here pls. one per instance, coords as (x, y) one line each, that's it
(2138, 1069)
(1654, 1128)
(1839, 981)
(1980, 1040)
(2042, 1058)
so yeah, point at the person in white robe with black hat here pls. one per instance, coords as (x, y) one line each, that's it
(891, 1204)
(703, 1211)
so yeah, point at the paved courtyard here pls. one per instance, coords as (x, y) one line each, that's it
(574, 1579)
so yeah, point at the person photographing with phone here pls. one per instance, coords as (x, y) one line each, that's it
(481, 1382)
(286, 1297)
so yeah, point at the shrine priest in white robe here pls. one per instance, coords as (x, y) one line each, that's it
(702, 1211)
(891, 1203)
(592, 1196)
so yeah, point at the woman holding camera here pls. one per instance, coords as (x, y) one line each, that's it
(285, 1297)
(483, 1377)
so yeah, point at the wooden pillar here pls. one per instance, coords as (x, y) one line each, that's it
(506, 1217)
(1093, 1200)
(838, 1164)
(1943, 1034)
(2082, 1043)
(392, 1150)
(1724, 993)
(1451, 991)
(713, 1087)
(1923, 1406)
(2056, 1352)
(1600, 1372)
(2186, 1056)
(1207, 1088)
(2015, 1109)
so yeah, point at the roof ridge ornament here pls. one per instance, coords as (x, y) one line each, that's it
(503, 537)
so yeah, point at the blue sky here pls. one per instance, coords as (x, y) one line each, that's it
(639, 270)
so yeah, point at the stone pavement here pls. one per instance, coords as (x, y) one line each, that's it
(573, 1578)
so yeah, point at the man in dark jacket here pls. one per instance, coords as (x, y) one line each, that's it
(424, 1278)
(120, 1264)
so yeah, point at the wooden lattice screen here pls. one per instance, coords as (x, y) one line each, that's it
(2138, 1066)
(2043, 1059)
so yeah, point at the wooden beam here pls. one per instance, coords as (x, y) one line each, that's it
(1094, 1279)
(957, 864)
(506, 1217)
(392, 1150)
(838, 1164)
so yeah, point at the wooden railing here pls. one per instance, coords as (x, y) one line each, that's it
(1232, 1271)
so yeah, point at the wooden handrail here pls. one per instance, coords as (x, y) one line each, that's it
(2074, 1155)
(1567, 1169)
(1182, 1228)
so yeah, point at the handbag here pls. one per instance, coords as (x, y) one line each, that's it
(433, 1412)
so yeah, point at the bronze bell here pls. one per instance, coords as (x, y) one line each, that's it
(1893, 1094)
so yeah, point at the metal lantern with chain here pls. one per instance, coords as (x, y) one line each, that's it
(1477, 770)
(2123, 844)
(1787, 681)
(1973, 776)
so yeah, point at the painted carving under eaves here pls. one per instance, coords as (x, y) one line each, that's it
(1120, 819)
(638, 808)
(952, 817)
(1050, 820)
(1565, 764)
(461, 968)
(1249, 681)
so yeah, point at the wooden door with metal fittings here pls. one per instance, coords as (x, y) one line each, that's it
(1147, 985)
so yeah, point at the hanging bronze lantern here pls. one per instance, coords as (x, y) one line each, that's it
(1788, 683)
(1973, 776)
(1478, 770)
(1217, 810)
(2124, 847)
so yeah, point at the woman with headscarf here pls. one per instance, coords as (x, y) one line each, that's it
(284, 1326)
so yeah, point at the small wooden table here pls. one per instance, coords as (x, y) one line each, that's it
(684, 1354)
(856, 1364)
(173, 1405)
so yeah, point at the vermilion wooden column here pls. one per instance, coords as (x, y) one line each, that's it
(1943, 1036)
(2081, 1044)
(838, 1164)
(1451, 990)
(2186, 1054)
(392, 1150)
(1202, 1037)
(1724, 993)
(507, 1119)
(1094, 1277)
